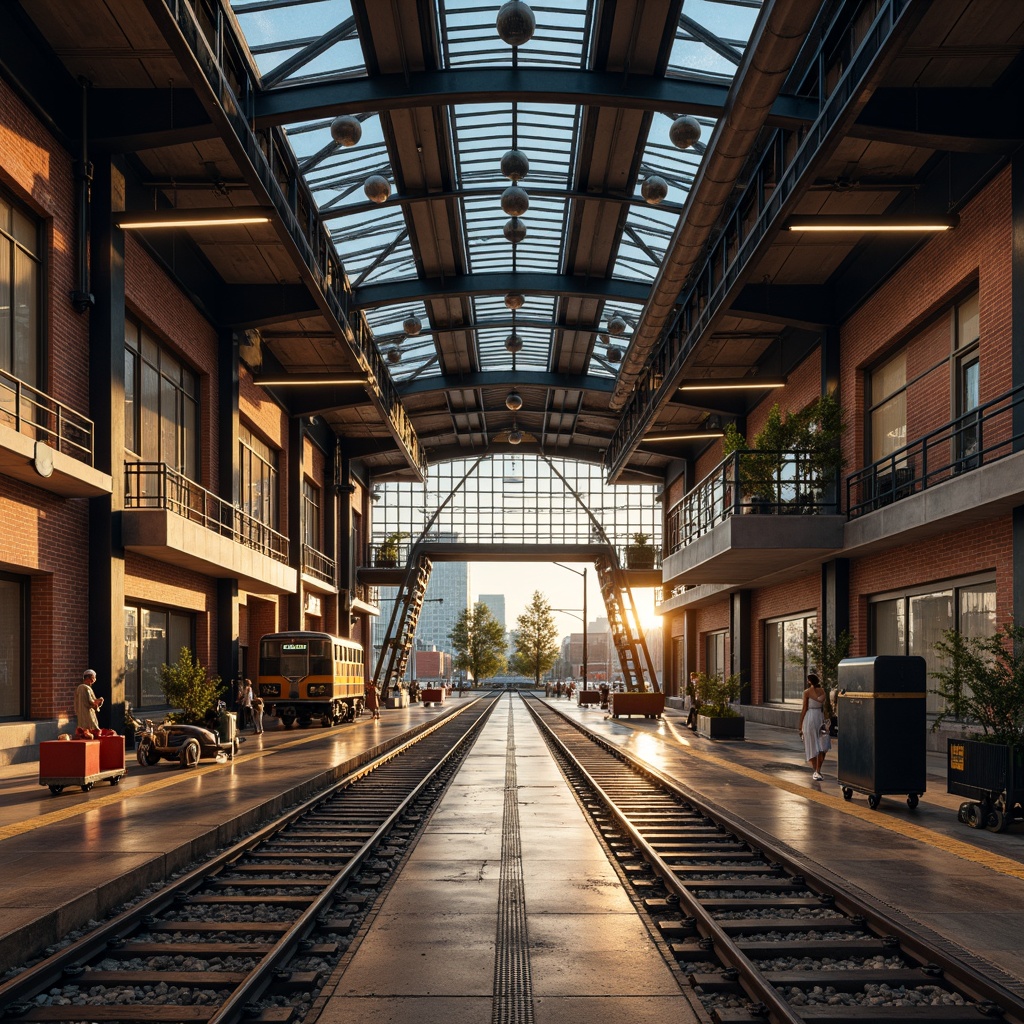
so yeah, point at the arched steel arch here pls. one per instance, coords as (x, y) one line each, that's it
(289, 104)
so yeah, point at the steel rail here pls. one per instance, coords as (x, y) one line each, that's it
(994, 998)
(52, 970)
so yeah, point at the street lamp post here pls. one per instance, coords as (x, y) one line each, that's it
(582, 573)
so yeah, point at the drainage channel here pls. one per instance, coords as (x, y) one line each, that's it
(760, 938)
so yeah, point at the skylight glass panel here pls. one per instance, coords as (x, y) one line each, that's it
(723, 31)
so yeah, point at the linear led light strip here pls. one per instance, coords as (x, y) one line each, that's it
(200, 218)
(276, 382)
(869, 223)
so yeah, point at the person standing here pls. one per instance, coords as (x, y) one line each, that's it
(693, 699)
(86, 701)
(372, 699)
(813, 727)
(257, 715)
(246, 703)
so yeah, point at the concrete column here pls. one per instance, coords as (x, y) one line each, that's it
(228, 654)
(296, 435)
(835, 597)
(105, 600)
(741, 637)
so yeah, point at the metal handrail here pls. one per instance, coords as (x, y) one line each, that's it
(36, 414)
(747, 482)
(983, 435)
(316, 563)
(156, 485)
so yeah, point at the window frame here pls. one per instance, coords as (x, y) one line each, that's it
(24, 646)
(249, 442)
(41, 260)
(139, 607)
(809, 618)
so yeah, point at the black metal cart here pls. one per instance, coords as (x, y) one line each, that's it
(882, 727)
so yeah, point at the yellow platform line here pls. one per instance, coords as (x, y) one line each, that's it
(117, 794)
(907, 829)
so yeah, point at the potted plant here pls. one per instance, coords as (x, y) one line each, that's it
(388, 549)
(649, 703)
(640, 554)
(982, 686)
(717, 719)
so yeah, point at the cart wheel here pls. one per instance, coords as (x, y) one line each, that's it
(86, 786)
(847, 793)
(975, 815)
(115, 780)
(913, 800)
(997, 821)
(56, 790)
(189, 754)
(874, 799)
(327, 721)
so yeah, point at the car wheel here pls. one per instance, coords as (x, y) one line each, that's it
(189, 754)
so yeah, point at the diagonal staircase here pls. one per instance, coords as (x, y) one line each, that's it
(630, 644)
(405, 615)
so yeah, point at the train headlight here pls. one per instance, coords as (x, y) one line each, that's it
(317, 690)
(270, 690)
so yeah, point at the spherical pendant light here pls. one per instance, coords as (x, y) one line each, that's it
(394, 355)
(346, 130)
(377, 188)
(654, 189)
(515, 201)
(412, 326)
(513, 401)
(515, 164)
(514, 300)
(514, 230)
(616, 325)
(614, 354)
(685, 131)
(513, 343)
(515, 436)
(516, 23)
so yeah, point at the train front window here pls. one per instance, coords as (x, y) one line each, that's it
(320, 661)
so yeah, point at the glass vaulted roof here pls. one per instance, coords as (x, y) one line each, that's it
(318, 41)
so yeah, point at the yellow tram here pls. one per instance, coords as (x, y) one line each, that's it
(305, 676)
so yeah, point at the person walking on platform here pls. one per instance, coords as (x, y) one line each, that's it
(814, 727)
(257, 715)
(693, 700)
(86, 702)
(372, 699)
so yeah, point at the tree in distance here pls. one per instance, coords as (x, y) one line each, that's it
(536, 639)
(478, 642)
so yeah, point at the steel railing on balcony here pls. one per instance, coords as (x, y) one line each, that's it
(156, 485)
(979, 437)
(37, 415)
(745, 483)
(317, 564)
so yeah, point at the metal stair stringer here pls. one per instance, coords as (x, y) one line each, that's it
(630, 645)
(405, 616)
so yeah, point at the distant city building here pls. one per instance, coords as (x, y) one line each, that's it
(496, 603)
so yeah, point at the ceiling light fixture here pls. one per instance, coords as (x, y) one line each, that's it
(693, 435)
(307, 380)
(734, 384)
(871, 223)
(198, 218)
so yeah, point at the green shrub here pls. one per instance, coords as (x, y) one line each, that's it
(715, 694)
(187, 685)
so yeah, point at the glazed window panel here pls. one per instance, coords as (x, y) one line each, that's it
(311, 514)
(12, 641)
(153, 647)
(258, 462)
(20, 300)
(786, 665)
(715, 654)
(153, 637)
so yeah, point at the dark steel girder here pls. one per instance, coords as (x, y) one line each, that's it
(578, 452)
(507, 378)
(801, 305)
(618, 290)
(286, 105)
(257, 305)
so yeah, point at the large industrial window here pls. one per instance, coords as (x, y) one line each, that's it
(258, 467)
(889, 406)
(161, 398)
(310, 515)
(20, 303)
(786, 668)
(967, 384)
(714, 654)
(12, 646)
(913, 621)
(153, 637)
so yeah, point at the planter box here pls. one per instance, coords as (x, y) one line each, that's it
(650, 705)
(585, 697)
(721, 728)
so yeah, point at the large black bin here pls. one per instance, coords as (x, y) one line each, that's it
(882, 727)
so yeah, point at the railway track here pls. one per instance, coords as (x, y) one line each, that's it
(760, 938)
(254, 932)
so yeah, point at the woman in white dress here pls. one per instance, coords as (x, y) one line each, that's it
(813, 727)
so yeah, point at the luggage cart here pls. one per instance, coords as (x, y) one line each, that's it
(81, 763)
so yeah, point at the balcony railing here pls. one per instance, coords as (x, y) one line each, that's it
(744, 483)
(37, 415)
(316, 563)
(156, 485)
(982, 436)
